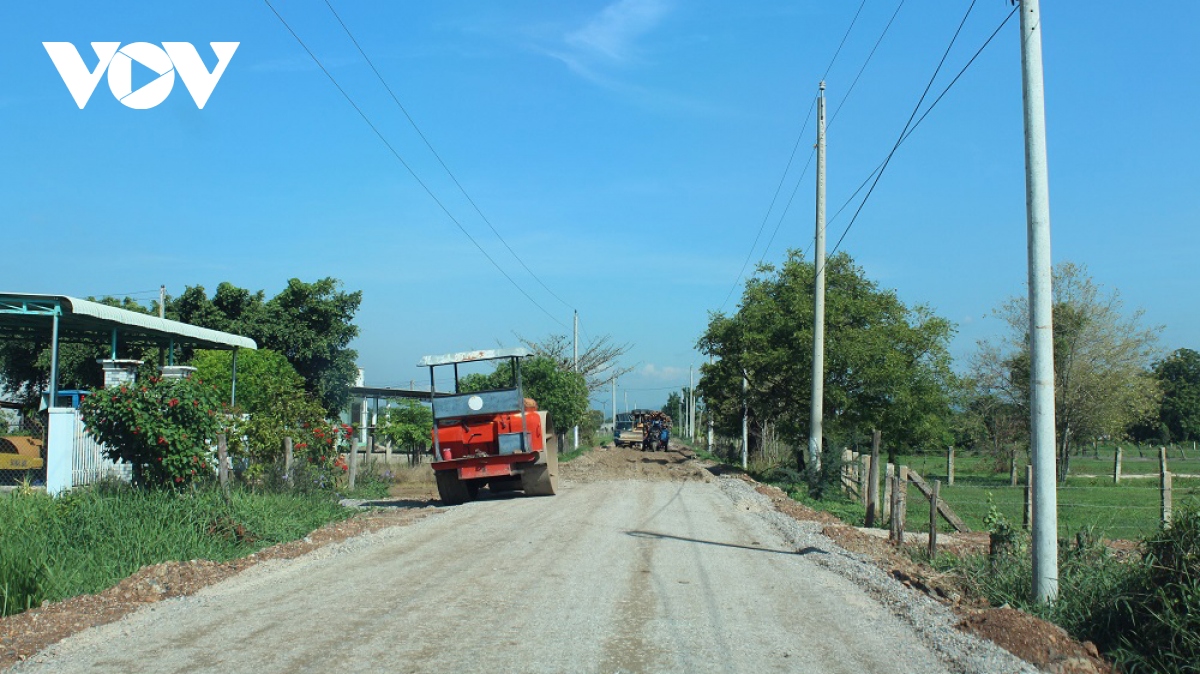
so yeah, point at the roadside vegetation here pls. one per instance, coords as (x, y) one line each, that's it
(88, 539)
(1127, 583)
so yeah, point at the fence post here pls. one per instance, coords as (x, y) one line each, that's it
(864, 476)
(1165, 492)
(873, 480)
(888, 490)
(1117, 466)
(892, 508)
(222, 463)
(387, 454)
(353, 462)
(1028, 513)
(1012, 468)
(901, 510)
(950, 466)
(287, 459)
(933, 517)
(1162, 460)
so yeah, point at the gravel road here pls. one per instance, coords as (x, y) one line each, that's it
(623, 576)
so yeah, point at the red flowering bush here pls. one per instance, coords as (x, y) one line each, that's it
(163, 427)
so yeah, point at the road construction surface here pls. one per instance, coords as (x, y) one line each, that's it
(608, 576)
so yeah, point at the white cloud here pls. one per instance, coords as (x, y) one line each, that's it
(663, 373)
(611, 33)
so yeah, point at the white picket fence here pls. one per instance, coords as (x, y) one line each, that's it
(88, 464)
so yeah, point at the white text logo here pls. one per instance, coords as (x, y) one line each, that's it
(171, 58)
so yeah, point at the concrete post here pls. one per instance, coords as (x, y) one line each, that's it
(817, 411)
(1041, 324)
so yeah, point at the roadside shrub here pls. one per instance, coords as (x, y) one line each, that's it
(162, 427)
(1155, 625)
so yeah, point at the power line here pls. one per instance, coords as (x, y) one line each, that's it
(907, 125)
(411, 172)
(787, 206)
(864, 65)
(782, 178)
(429, 145)
(843, 42)
(774, 197)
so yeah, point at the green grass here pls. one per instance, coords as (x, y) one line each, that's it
(89, 539)
(1127, 510)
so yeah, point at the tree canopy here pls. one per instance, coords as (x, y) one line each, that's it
(1101, 361)
(1178, 376)
(311, 324)
(887, 366)
(597, 360)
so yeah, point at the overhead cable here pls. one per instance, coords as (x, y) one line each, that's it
(437, 156)
(406, 165)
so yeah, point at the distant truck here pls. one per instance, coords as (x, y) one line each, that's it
(630, 428)
(498, 439)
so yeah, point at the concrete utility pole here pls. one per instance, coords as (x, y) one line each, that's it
(162, 301)
(818, 362)
(710, 419)
(576, 366)
(1041, 329)
(691, 415)
(745, 421)
(614, 407)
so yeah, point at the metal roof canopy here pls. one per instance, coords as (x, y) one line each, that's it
(472, 356)
(23, 316)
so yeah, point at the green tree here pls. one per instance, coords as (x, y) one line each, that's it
(309, 323)
(674, 406)
(406, 423)
(887, 365)
(261, 374)
(1178, 376)
(1101, 361)
(597, 360)
(272, 404)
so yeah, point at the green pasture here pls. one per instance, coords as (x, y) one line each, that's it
(1130, 509)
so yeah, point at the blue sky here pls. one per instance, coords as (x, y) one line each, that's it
(626, 150)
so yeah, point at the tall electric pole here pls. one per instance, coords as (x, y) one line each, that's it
(162, 301)
(1041, 328)
(691, 404)
(576, 367)
(745, 421)
(710, 418)
(817, 413)
(614, 407)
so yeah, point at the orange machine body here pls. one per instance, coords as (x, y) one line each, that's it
(472, 444)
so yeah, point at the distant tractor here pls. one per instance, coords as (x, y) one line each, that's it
(497, 439)
(630, 428)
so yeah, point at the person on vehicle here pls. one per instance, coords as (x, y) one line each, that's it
(653, 433)
(665, 437)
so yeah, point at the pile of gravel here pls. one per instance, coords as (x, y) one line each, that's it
(933, 622)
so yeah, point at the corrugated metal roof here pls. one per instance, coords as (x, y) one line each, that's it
(470, 356)
(84, 317)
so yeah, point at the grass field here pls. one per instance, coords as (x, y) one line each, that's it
(91, 538)
(1130, 509)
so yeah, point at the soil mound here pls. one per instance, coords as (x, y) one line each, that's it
(618, 463)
